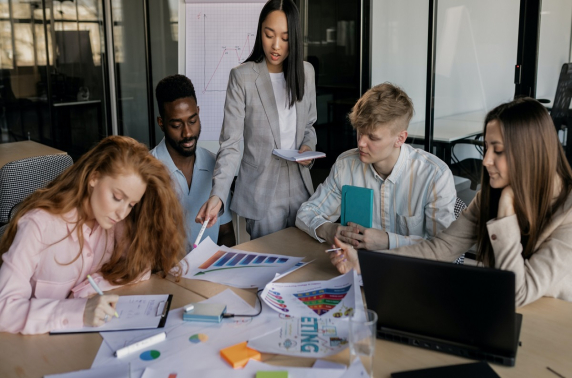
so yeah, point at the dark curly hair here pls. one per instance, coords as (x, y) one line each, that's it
(173, 88)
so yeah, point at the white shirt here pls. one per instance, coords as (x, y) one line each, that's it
(413, 203)
(286, 115)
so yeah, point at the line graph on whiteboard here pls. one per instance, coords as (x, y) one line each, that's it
(218, 38)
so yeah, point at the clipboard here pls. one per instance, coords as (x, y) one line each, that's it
(135, 312)
(357, 205)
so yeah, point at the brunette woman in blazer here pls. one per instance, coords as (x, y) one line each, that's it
(271, 103)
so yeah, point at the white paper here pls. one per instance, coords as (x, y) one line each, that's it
(135, 312)
(189, 344)
(356, 370)
(234, 267)
(293, 155)
(249, 371)
(299, 265)
(118, 371)
(334, 298)
(324, 364)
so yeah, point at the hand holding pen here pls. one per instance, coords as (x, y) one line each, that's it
(100, 308)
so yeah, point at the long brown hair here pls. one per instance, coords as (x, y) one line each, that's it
(535, 159)
(153, 237)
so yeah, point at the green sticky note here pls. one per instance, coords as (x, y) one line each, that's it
(272, 374)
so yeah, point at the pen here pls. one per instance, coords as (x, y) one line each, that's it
(332, 250)
(97, 290)
(140, 345)
(201, 232)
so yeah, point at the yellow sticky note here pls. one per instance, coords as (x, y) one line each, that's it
(238, 355)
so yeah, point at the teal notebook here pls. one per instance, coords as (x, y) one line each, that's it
(357, 205)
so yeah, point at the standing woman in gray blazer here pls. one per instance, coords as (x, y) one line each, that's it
(271, 103)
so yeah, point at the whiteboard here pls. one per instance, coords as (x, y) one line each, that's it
(219, 36)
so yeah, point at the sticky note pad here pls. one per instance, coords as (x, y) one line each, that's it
(272, 374)
(238, 355)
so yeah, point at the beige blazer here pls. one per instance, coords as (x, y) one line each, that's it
(548, 272)
(250, 111)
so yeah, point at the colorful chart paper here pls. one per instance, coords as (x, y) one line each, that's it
(234, 267)
(198, 338)
(332, 299)
(149, 355)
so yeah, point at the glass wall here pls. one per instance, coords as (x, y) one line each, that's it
(52, 80)
(331, 31)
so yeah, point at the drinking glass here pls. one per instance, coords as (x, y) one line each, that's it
(362, 334)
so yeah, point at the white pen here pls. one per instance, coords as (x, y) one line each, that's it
(201, 232)
(97, 290)
(332, 250)
(189, 307)
(140, 345)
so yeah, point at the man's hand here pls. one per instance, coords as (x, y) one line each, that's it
(302, 149)
(364, 238)
(210, 209)
(328, 231)
(346, 259)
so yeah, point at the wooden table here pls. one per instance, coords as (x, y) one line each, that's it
(546, 333)
(21, 150)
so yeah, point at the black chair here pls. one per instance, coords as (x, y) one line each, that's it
(470, 168)
(20, 178)
(459, 207)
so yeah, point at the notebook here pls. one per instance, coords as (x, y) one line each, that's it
(357, 205)
(462, 310)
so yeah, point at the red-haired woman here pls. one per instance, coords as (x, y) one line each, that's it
(113, 215)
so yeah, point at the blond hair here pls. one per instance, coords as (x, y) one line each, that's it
(382, 104)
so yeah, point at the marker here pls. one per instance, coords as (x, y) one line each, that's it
(97, 289)
(332, 250)
(140, 345)
(189, 307)
(201, 232)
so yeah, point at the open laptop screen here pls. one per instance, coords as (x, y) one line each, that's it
(465, 305)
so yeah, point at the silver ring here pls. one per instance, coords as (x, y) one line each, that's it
(106, 317)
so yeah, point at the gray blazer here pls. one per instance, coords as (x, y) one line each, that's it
(250, 111)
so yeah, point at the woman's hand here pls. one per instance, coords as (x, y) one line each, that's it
(99, 309)
(346, 259)
(302, 149)
(506, 203)
(210, 209)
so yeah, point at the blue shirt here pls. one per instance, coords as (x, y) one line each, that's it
(192, 199)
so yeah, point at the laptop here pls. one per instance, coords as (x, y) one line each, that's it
(462, 310)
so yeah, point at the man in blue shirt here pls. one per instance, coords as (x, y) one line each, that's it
(191, 167)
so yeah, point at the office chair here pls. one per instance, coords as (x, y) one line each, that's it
(470, 168)
(459, 207)
(20, 178)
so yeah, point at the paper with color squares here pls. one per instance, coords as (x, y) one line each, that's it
(334, 298)
(234, 267)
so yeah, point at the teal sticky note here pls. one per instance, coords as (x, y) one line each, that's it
(272, 374)
(357, 205)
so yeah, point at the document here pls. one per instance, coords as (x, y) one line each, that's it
(293, 155)
(234, 267)
(135, 312)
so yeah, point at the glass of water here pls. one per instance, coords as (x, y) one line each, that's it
(362, 334)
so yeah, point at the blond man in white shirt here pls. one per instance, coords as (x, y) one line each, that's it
(414, 191)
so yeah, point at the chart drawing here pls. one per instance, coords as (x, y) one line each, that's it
(219, 37)
(322, 301)
(150, 355)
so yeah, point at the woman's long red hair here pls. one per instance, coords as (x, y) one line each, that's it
(154, 234)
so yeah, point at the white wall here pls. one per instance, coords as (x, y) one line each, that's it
(554, 46)
(476, 52)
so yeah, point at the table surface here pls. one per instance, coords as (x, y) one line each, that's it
(451, 128)
(546, 333)
(21, 150)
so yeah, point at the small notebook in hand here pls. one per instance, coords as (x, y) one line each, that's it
(294, 155)
(357, 205)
